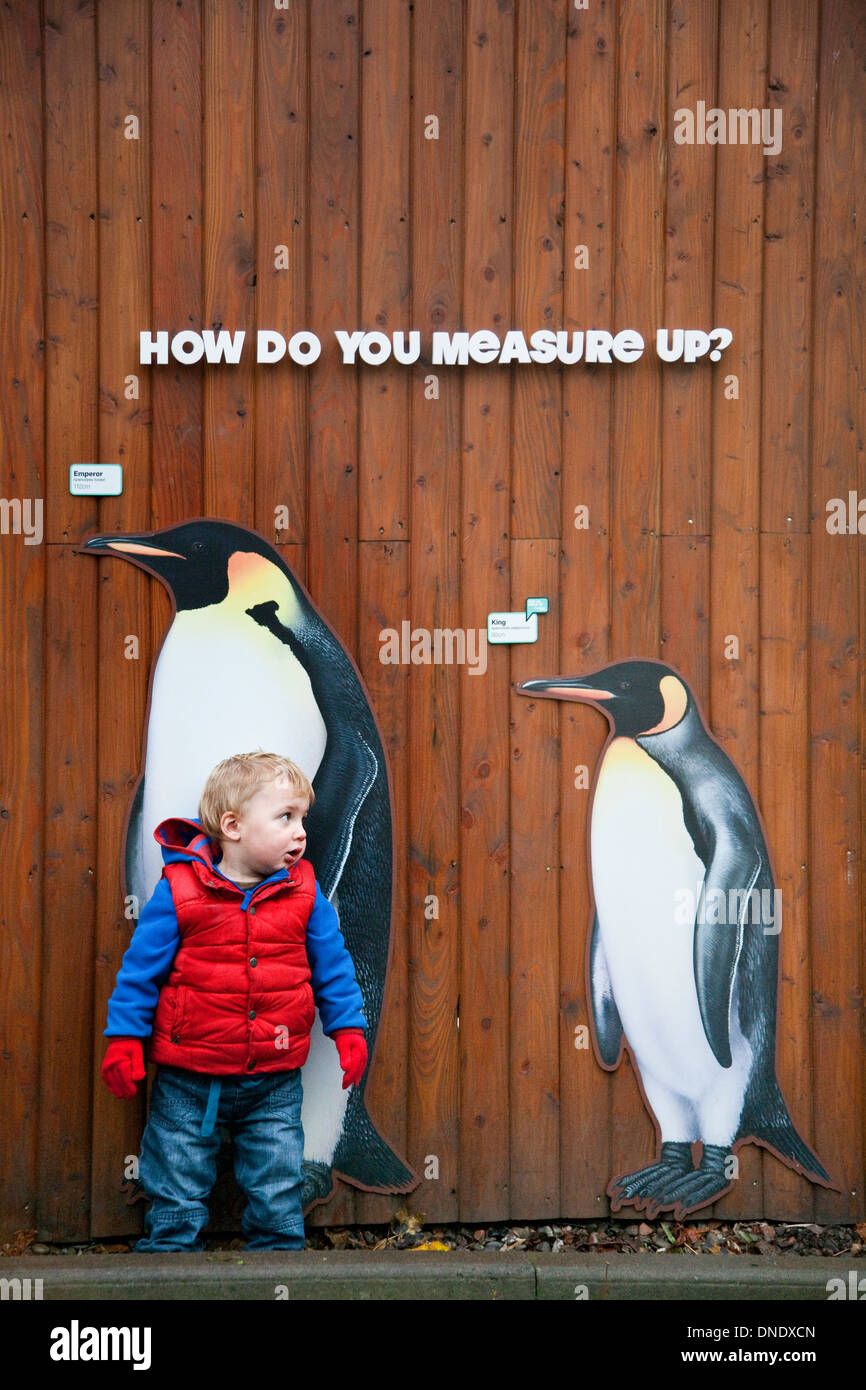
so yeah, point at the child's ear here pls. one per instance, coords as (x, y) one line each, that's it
(229, 828)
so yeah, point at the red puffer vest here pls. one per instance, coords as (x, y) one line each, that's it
(238, 998)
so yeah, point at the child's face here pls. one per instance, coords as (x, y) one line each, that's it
(269, 833)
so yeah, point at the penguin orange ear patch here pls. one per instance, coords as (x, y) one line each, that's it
(682, 958)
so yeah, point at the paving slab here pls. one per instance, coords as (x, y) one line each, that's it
(275, 1275)
(688, 1277)
(428, 1275)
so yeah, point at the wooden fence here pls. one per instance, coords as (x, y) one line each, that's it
(307, 127)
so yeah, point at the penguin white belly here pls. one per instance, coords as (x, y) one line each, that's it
(223, 685)
(643, 861)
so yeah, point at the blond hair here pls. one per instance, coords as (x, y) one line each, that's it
(235, 780)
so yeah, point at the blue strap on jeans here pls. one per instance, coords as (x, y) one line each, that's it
(213, 1101)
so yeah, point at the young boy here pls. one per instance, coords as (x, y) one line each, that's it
(230, 956)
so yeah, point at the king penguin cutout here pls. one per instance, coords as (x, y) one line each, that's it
(683, 952)
(248, 662)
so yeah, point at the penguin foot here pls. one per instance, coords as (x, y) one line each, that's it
(318, 1183)
(696, 1189)
(675, 1163)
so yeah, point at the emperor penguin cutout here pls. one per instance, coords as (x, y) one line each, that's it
(249, 662)
(682, 959)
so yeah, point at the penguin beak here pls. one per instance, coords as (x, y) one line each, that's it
(564, 688)
(129, 545)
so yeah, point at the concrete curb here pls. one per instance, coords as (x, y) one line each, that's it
(426, 1275)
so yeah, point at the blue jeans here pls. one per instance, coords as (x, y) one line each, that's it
(178, 1160)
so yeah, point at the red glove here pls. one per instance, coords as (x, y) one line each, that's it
(123, 1066)
(352, 1049)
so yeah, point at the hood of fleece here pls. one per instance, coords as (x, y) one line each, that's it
(181, 839)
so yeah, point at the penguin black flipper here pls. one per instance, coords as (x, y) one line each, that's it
(355, 767)
(348, 763)
(717, 945)
(608, 1025)
(135, 882)
(352, 774)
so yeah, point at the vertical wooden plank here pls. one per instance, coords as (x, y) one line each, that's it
(635, 515)
(67, 1003)
(334, 204)
(71, 406)
(383, 499)
(282, 194)
(383, 444)
(124, 609)
(585, 578)
(333, 298)
(785, 810)
(539, 194)
(384, 591)
(835, 684)
(788, 235)
(685, 636)
(437, 73)
(176, 198)
(688, 276)
(484, 518)
(785, 561)
(535, 859)
(735, 561)
(229, 38)
(686, 390)
(22, 580)
(71, 231)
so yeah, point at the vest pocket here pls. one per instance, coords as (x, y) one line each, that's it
(177, 1013)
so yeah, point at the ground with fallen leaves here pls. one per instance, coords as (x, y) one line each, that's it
(407, 1231)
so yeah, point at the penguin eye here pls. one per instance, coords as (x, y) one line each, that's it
(625, 685)
(197, 545)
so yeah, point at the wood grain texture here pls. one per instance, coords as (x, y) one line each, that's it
(383, 592)
(333, 304)
(282, 221)
(688, 273)
(436, 503)
(385, 288)
(70, 659)
(535, 860)
(124, 599)
(635, 497)
(334, 46)
(228, 111)
(585, 576)
(70, 882)
(735, 559)
(539, 194)
(434, 602)
(784, 804)
(177, 297)
(22, 596)
(835, 679)
(71, 269)
(786, 563)
(789, 230)
(485, 587)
